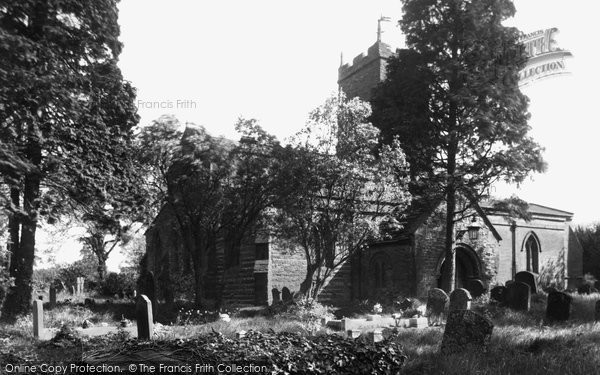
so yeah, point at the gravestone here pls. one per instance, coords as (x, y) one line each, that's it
(149, 290)
(145, 320)
(460, 299)
(597, 311)
(518, 296)
(527, 278)
(498, 293)
(73, 290)
(286, 295)
(353, 333)
(476, 288)
(276, 295)
(52, 296)
(80, 285)
(558, 308)
(436, 304)
(375, 336)
(38, 318)
(466, 330)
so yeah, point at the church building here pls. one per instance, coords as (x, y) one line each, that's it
(490, 247)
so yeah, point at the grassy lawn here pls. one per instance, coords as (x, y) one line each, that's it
(521, 342)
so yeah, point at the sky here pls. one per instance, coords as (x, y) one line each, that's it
(211, 62)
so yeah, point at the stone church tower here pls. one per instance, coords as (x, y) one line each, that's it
(364, 73)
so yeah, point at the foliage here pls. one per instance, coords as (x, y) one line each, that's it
(119, 283)
(157, 146)
(345, 191)
(69, 273)
(453, 100)
(552, 273)
(282, 353)
(66, 119)
(309, 312)
(589, 238)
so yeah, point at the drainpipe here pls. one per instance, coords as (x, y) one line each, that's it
(513, 229)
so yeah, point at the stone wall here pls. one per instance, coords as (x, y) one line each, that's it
(287, 268)
(365, 72)
(553, 237)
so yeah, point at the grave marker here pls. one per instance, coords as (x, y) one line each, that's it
(527, 278)
(38, 318)
(498, 293)
(558, 307)
(375, 336)
(460, 299)
(145, 321)
(466, 330)
(476, 288)
(436, 304)
(518, 296)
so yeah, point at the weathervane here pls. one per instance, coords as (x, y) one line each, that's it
(381, 19)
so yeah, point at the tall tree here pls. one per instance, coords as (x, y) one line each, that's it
(157, 146)
(470, 129)
(344, 192)
(65, 115)
(220, 189)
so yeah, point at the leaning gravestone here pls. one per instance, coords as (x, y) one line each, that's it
(527, 278)
(436, 304)
(145, 321)
(558, 307)
(460, 299)
(38, 318)
(597, 311)
(466, 330)
(498, 293)
(518, 296)
(476, 288)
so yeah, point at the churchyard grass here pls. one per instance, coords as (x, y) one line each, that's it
(521, 342)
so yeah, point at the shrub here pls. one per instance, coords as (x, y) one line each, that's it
(118, 283)
(309, 312)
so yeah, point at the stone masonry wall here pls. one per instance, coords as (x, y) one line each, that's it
(552, 234)
(365, 72)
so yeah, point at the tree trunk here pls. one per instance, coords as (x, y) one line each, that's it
(18, 299)
(102, 270)
(306, 287)
(449, 269)
(12, 246)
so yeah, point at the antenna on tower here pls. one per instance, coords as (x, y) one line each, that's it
(379, 21)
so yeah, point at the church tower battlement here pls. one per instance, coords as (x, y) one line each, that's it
(365, 72)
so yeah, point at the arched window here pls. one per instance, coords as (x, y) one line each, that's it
(532, 250)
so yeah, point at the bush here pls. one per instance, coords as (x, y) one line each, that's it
(118, 283)
(308, 312)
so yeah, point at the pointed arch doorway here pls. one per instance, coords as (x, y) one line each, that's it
(468, 267)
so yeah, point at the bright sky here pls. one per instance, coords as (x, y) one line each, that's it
(276, 60)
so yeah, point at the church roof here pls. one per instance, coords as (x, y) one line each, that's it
(536, 209)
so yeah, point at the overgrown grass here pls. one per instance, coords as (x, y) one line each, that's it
(521, 343)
